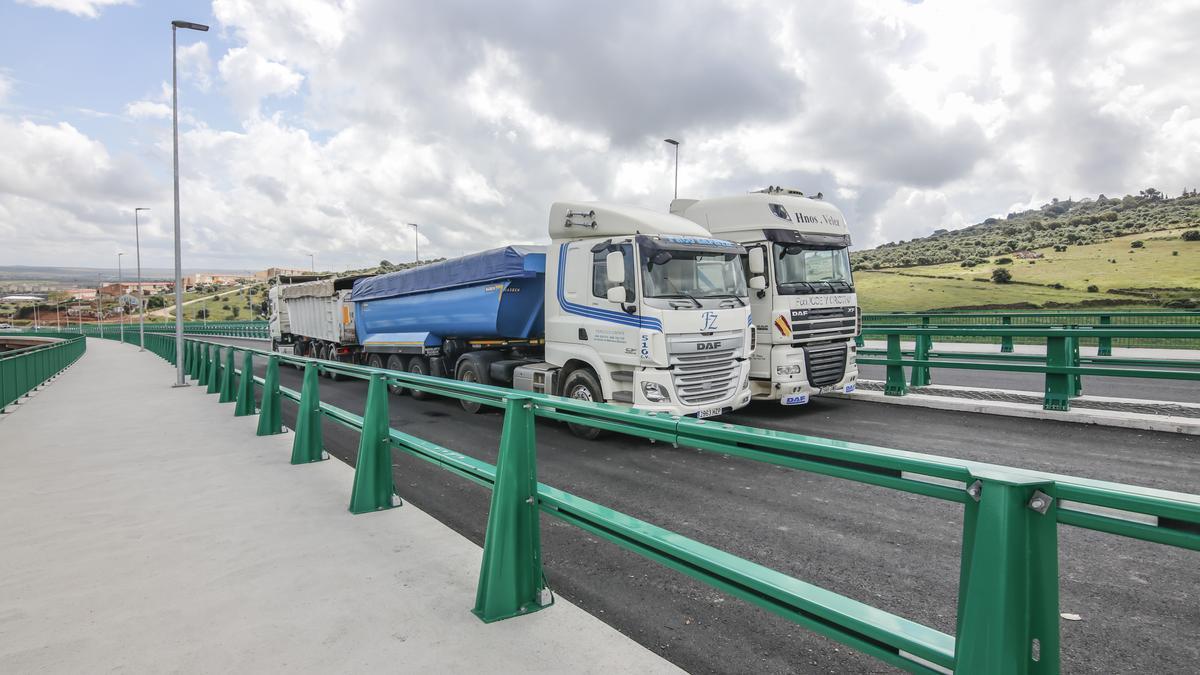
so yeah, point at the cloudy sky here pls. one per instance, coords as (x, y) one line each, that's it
(316, 126)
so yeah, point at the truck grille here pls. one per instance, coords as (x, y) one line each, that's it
(827, 323)
(825, 366)
(702, 377)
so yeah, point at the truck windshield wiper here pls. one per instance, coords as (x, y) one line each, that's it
(809, 286)
(728, 295)
(681, 295)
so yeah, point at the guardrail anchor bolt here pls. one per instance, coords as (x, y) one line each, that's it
(1040, 502)
(529, 500)
(975, 490)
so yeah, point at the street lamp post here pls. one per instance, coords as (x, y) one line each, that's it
(416, 242)
(312, 263)
(179, 381)
(120, 302)
(675, 143)
(137, 238)
(99, 308)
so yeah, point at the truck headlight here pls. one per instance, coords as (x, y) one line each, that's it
(793, 369)
(655, 392)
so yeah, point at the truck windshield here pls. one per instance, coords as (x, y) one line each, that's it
(676, 273)
(807, 270)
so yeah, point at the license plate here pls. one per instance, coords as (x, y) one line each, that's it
(795, 399)
(287, 349)
(711, 412)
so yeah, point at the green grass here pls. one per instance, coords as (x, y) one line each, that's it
(1151, 267)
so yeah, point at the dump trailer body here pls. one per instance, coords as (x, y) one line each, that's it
(497, 294)
(320, 310)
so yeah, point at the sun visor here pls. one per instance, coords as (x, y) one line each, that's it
(829, 241)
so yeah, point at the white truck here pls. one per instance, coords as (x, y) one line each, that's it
(626, 306)
(805, 310)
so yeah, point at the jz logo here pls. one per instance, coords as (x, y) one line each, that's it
(710, 320)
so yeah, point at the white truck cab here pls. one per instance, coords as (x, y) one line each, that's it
(646, 309)
(805, 310)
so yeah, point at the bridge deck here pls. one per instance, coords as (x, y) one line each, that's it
(145, 528)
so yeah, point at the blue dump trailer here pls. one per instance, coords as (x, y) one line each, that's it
(476, 318)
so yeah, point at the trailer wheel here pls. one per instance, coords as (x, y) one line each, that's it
(395, 362)
(375, 361)
(473, 370)
(581, 384)
(332, 355)
(419, 366)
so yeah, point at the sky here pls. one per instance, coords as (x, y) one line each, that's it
(325, 127)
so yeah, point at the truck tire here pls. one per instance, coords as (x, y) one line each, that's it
(396, 362)
(419, 366)
(472, 369)
(375, 361)
(582, 384)
(332, 355)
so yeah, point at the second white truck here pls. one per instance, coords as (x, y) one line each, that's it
(804, 306)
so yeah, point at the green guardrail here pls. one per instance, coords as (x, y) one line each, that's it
(240, 329)
(1050, 319)
(27, 368)
(1062, 364)
(1007, 618)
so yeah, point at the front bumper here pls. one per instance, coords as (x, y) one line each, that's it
(662, 376)
(795, 388)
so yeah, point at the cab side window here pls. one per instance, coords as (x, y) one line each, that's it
(600, 284)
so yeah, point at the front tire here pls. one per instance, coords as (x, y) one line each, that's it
(472, 370)
(582, 385)
(419, 366)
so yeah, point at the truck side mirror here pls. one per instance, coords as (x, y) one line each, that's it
(614, 268)
(757, 264)
(616, 294)
(758, 282)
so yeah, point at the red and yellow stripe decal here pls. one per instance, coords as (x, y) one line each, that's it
(785, 329)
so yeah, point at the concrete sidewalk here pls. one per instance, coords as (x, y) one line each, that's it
(146, 529)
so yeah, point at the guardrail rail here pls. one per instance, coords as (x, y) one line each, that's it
(24, 370)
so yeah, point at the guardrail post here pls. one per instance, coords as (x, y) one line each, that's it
(245, 395)
(511, 582)
(1006, 341)
(1008, 582)
(227, 393)
(270, 417)
(1105, 347)
(374, 488)
(1076, 379)
(894, 386)
(214, 370)
(193, 371)
(308, 443)
(920, 374)
(1058, 385)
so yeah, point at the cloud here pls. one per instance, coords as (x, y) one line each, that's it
(6, 87)
(249, 78)
(148, 109)
(195, 65)
(354, 118)
(89, 9)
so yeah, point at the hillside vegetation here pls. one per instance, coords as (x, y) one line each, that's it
(1135, 252)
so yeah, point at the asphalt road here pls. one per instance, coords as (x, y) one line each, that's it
(898, 552)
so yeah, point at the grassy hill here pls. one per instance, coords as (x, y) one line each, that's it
(1132, 252)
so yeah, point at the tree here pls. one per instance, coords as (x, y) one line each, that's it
(202, 313)
(1191, 235)
(1093, 289)
(1137, 243)
(1001, 276)
(156, 302)
(235, 311)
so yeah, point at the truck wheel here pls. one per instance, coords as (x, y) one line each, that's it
(419, 366)
(396, 363)
(472, 370)
(581, 384)
(331, 355)
(375, 361)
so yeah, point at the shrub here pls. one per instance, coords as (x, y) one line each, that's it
(1191, 235)
(1093, 289)
(1174, 252)
(1137, 243)
(1058, 286)
(1001, 275)
(1003, 261)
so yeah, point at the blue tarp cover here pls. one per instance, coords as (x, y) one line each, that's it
(509, 262)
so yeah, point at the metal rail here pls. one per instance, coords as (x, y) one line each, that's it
(1062, 364)
(24, 370)
(1008, 584)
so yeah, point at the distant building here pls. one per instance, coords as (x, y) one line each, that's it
(272, 272)
(81, 293)
(131, 288)
(204, 278)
